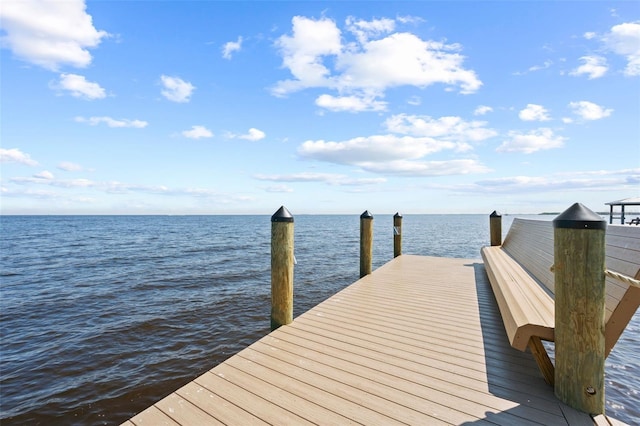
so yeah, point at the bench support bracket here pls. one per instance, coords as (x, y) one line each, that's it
(542, 359)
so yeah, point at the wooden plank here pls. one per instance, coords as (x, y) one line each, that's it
(278, 389)
(531, 244)
(601, 420)
(352, 402)
(575, 417)
(332, 403)
(217, 406)
(248, 399)
(153, 416)
(184, 412)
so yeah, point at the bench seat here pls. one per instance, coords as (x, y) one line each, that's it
(527, 310)
(523, 284)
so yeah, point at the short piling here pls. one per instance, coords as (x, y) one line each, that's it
(495, 228)
(579, 264)
(397, 235)
(366, 243)
(282, 261)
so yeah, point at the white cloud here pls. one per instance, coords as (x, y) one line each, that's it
(482, 110)
(94, 121)
(534, 112)
(544, 66)
(444, 128)
(589, 111)
(414, 100)
(427, 168)
(197, 132)
(14, 155)
(303, 51)
(232, 46)
(49, 33)
(318, 55)
(364, 30)
(110, 187)
(279, 189)
(624, 39)
(79, 87)
(535, 140)
(593, 67)
(350, 103)
(329, 178)
(176, 89)
(73, 183)
(301, 177)
(371, 149)
(590, 180)
(404, 59)
(358, 181)
(45, 174)
(408, 19)
(402, 151)
(70, 167)
(253, 135)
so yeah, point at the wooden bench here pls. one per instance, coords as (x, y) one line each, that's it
(523, 283)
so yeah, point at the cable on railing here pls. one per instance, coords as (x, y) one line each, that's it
(616, 276)
(621, 277)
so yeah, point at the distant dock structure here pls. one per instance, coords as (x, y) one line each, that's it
(634, 201)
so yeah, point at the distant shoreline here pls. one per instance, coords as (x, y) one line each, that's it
(616, 215)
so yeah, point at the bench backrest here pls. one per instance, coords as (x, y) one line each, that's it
(530, 242)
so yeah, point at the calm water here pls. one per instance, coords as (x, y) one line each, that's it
(101, 316)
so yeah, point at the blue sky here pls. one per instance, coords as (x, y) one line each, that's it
(207, 107)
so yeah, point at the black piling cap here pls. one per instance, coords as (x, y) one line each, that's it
(579, 217)
(282, 215)
(366, 215)
(397, 215)
(495, 214)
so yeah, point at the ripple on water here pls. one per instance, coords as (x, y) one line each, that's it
(103, 316)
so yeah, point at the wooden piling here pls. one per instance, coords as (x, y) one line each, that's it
(366, 243)
(397, 235)
(579, 253)
(495, 228)
(281, 268)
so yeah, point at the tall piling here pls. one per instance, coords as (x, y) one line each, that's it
(495, 228)
(579, 264)
(366, 243)
(397, 235)
(282, 261)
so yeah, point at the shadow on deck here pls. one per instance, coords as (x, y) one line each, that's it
(512, 374)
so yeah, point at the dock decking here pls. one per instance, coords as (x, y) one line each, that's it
(419, 341)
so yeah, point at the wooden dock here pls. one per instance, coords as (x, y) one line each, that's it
(419, 341)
